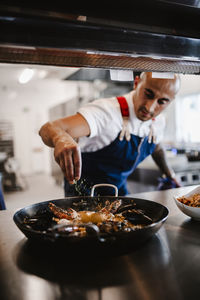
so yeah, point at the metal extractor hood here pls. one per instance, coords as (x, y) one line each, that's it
(145, 35)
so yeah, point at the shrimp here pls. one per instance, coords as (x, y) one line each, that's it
(69, 214)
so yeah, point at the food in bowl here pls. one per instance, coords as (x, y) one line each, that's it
(193, 200)
(189, 203)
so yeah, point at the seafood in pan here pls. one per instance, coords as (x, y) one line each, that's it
(112, 217)
(107, 218)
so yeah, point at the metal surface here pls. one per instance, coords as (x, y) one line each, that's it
(166, 267)
(179, 17)
(102, 185)
(135, 40)
(94, 59)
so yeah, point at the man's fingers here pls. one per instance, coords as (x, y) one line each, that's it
(70, 163)
(60, 161)
(77, 163)
(69, 168)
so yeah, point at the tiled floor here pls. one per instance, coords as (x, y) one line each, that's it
(39, 188)
(42, 187)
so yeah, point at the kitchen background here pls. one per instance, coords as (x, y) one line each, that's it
(32, 95)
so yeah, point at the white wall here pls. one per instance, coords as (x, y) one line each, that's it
(27, 109)
(190, 84)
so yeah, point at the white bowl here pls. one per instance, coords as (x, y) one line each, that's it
(193, 212)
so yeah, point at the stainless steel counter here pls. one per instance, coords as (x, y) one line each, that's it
(166, 267)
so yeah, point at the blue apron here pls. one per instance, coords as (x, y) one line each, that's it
(111, 164)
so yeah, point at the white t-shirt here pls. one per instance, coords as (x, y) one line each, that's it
(105, 122)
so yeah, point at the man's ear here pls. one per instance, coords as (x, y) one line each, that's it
(136, 81)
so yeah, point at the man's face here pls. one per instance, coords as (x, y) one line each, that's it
(152, 95)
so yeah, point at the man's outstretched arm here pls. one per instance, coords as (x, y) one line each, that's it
(160, 158)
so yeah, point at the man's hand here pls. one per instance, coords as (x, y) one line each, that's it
(160, 158)
(61, 134)
(176, 182)
(68, 155)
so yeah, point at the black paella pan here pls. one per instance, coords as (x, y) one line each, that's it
(35, 221)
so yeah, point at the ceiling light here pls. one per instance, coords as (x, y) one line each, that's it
(26, 75)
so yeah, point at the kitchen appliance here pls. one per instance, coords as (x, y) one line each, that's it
(145, 35)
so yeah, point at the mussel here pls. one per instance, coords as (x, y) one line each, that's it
(134, 215)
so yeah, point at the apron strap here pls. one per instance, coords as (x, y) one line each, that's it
(123, 106)
(125, 115)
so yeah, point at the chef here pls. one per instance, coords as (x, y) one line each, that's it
(106, 139)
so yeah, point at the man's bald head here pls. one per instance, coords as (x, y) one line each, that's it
(172, 84)
(152, 95)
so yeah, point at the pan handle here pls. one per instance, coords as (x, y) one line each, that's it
(104, 184)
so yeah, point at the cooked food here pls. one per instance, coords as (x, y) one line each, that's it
(193, 200)
(109, 218)
(61, 213)
(106, 218)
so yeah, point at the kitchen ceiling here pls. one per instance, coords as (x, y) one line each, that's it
(10, 73)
